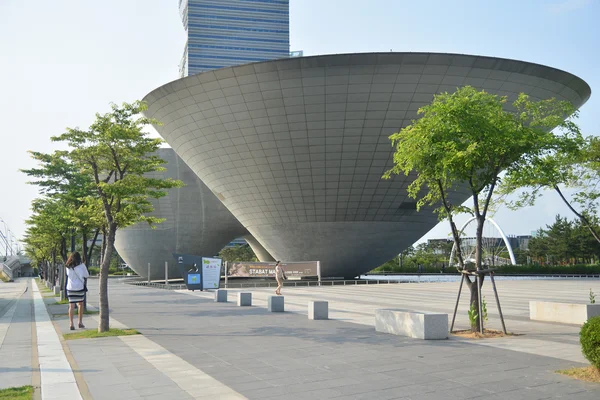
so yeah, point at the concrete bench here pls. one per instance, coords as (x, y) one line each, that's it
(221, 296)
(413, 324)
(318, 310)
(276, 304)
(567, 313)
(244, 299)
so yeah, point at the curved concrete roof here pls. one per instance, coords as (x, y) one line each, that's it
(295, 148)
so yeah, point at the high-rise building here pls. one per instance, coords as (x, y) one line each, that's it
(224, 33)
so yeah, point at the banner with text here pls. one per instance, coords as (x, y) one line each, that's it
(267, 269)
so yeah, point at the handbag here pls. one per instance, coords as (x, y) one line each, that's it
(85, 289)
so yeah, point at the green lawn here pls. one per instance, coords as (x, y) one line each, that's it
(92, 333)
(17, 393)
(75, 313)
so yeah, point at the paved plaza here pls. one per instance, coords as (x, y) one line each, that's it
(192, 347)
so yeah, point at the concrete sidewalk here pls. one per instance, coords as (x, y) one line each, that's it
(16, 334)
(194, 348)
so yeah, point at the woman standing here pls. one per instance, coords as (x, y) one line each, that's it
(279, 276)
(77, 273)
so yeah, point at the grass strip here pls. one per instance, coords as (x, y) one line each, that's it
(75, 313)
(92, 333)
(588, 374)
(17, 393)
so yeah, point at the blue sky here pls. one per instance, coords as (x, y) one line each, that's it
(65, 60)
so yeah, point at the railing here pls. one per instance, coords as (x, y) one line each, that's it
(230, 285)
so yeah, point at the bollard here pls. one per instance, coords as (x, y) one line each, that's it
(166, 272)
(148, 273)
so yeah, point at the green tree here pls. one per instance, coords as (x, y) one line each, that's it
(238, 253)
(116, 153)
(57, 177)
(48, 230)
(565, 242)
(575, 166)
(466, 139)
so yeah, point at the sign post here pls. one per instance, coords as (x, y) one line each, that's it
(226, 274)
(319, 272)
(166, 273)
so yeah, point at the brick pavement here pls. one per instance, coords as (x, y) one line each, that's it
(263, 355)
(193, 347)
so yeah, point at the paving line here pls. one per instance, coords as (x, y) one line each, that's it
(5, 322)
(564, 351)
(57, 378)
(194, 381)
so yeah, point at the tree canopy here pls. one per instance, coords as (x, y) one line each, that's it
(465, 140)
(106, 177)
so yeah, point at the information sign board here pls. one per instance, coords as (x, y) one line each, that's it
(211, 272)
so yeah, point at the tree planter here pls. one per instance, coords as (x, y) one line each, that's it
(566, 313)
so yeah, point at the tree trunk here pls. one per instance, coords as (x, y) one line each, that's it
(91, 249)
(103, 246)
(53, 274)
(84, 246)
(474, 303)
(109, 240)
(581, 217)
(479, 243)
(63, 249)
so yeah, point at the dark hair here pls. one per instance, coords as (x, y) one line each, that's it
(74, 260)
(277, 262)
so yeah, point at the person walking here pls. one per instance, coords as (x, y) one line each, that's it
(77, 273)
(279, 276)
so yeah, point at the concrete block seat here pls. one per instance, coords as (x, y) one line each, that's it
(412, 324)
(244, 299)
(221, 296)
(318, 309)
(566, 313)
(276, 304)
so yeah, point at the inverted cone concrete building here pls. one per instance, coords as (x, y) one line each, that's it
(295, 148)
(196, 222)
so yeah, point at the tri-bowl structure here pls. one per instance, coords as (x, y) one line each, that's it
(295, 148)
(196, 222)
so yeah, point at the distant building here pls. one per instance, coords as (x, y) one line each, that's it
(520, 242)
(296, 150)
(224, 33)
(237, 242)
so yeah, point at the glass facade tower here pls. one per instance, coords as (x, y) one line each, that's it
(224, 33)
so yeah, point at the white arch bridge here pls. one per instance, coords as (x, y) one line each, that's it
(496, 248)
